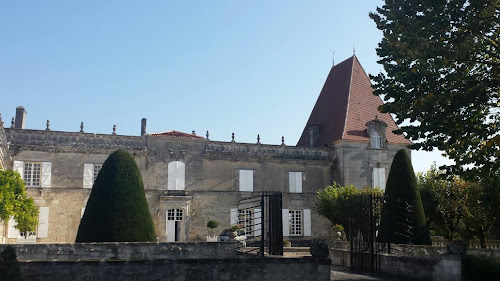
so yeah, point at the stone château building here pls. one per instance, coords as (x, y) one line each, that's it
(190, 179)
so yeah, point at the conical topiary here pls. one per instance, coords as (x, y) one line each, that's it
(117, 210)
(9, 266)
(403, 217)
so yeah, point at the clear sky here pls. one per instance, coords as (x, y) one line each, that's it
(248, 67)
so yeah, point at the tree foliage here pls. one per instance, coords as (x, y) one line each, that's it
(9, 266)
(15, 202)
(117, 210)
(332, 202)
(441, 61)
(444, 201)
(403, 212)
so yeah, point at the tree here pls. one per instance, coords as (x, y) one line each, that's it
(332, 202)
(444, 201)
(403, 212)
(9, 266)
(480, 215)
(15, 202)
(117, 210)
(442, 69)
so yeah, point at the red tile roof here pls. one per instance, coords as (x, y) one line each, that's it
(176, 135)
(346, 103)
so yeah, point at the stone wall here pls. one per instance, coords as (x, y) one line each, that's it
(4, 158)
(161, 261)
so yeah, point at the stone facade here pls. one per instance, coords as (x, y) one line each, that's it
(190, 180)
(4, 159)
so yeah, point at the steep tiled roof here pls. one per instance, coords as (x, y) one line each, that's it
(346, 103)
(176, 135)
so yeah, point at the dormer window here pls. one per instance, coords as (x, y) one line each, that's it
(375, 140)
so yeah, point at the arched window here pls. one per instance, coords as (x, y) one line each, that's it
(376, 140)
(176, 175)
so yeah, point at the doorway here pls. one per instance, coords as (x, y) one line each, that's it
(175, 225)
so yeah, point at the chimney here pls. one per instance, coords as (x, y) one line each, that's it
(143, 127)
(20, 118)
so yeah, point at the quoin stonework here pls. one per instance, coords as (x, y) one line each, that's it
(191, 179)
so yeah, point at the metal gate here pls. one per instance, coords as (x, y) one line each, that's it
(365, 228)
(263, 221)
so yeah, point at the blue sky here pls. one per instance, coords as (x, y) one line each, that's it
(248, 67)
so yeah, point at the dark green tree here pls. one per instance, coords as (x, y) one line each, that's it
(9, 266)
(403, 211)
(117, 210)
(442, 68)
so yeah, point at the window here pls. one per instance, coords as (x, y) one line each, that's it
(34, 174)
(175, 215)
(176, 175)
(375, 140)
(245, 219)
(246, 180)
(295, 223)
(379, 178)
(90, 172)
(97, 169)
(295, 182)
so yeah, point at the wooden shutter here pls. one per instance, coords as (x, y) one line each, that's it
(376, 178)
(257, 221)
(246, 180)
(381, 176)
(307, 222)
(12, 232)
(180, 176)
(286, 222)
(233, 219)
(172, 175)
(19, 167)
(298, 182)
(292, 181)
(88, 175)
(43, 223)
(46, 174)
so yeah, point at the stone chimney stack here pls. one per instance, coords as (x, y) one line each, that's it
(20, 118)
(143, 127)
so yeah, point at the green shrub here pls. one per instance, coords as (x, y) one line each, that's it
(405, 225)
(9, 266)
(212, 224)
(476, 267)
(117, 210)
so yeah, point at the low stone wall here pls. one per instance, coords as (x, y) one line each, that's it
(421, 263)
(190, 261)
(186, 270)
(124, 251)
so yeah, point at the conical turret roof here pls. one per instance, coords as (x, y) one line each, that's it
(346, 103)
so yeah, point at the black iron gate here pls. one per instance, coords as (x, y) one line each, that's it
(263, 221)
(365, 230)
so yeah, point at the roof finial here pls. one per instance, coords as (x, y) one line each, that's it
(232, 137)
(48, 125)
(207, 136)
(282, 140)
(81, 128)
(12, 122)
(114, 130)
(194, 132)
(353, 49)
(333, 58)
(258, 138)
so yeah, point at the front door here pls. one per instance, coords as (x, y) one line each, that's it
(175, 225)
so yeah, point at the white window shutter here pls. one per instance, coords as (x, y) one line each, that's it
(12, 232)
(376, 180)
(246, 180)
(180, 176)
(19, 167)
(286, 222)
(46, 174)
(382, 178)
(258, 221)
(250, 180)
(233, 217)
(307, 222)
(83, 212)
(298, 182)
(292, 179)
(43, 223)
(172, 177)
(88, 175)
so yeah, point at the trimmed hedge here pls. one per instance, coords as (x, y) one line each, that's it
(9, 266)
(117, 210)
(476, 267)
(404, 226)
